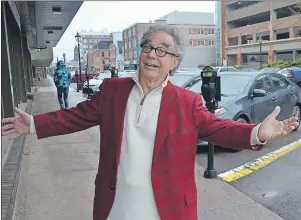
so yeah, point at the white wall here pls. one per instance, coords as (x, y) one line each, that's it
(198, 56)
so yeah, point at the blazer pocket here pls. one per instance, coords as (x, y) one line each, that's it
(190, 197)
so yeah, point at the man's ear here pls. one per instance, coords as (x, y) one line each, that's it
(176, 62)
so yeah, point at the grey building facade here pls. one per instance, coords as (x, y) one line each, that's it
(248, 27)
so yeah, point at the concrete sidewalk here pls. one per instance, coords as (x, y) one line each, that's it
(57, 176)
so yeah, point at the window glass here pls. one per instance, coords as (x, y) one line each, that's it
(196, 86)
(179, 79)
(279, 82)
(234, 84)
(231, 69)
(262, 82)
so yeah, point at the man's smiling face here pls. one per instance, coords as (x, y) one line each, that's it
(153, 66)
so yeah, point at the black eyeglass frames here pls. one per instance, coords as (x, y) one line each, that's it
(160, 51)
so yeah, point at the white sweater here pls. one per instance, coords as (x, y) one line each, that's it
(134, 199)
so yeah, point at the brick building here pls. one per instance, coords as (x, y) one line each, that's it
(247, 24)
(106, 52)
(196, 28)
(89, 39)
(100, 55)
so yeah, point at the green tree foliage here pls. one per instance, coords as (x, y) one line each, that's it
(284, 64)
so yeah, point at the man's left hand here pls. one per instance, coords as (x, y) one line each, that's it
(272, 129)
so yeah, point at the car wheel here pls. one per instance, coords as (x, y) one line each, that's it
(297, 113)
(241, 120)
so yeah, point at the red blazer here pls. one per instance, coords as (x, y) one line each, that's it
(182, 120)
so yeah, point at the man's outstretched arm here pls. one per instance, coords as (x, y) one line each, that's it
(85, 115)
(226, 133)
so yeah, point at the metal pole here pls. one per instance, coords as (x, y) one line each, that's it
(260, 55)
(210, 173)
(87, 77)
(77, 83)
(79, 65)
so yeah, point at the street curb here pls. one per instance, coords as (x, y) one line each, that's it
(11, 173)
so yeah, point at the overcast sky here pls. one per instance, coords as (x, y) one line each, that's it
(117, 15)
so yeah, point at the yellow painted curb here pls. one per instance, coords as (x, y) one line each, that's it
(257, 164)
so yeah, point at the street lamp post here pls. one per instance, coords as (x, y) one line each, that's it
(77, 36)
(87, 76)
(260, 51)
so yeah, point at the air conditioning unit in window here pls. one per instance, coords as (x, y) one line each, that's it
(249, 41)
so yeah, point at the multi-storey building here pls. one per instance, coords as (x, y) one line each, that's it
(218, 32)
(89, 39)
(117, 50)
(196, 28)
(75, 53)
(100, 56)
(248, 27)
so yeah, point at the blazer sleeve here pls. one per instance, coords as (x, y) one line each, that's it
(221, 132)
(85, 115)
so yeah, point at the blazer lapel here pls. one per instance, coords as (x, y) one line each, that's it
(167, 114)
(120, 98)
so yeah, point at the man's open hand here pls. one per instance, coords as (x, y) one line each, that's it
(272, 129)
(16, 126)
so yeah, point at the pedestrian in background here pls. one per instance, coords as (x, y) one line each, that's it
(114, 72)
(62, 79)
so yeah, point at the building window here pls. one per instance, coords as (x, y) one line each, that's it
(201, 43)
(211, 31)
(211, 42)
(103, 62)
(200, 31)
(189, 31)
(191, 43)
(103, 54)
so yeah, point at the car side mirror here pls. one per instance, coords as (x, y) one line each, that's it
(258, 93)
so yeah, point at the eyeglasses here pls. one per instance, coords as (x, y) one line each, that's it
(160, 51)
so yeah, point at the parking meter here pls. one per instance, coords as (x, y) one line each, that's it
(210, 88)
(211, 92)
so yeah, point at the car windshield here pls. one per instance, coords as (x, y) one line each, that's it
(270, 70)
(234, 84)
(180, 79)
(127, 74)
(230, 84)
(103, 76)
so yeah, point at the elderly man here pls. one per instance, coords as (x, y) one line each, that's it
(148, 141)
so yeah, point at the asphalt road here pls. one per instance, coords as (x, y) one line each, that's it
(276, 186)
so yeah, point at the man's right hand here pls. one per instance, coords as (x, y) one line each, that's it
(16, 126)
